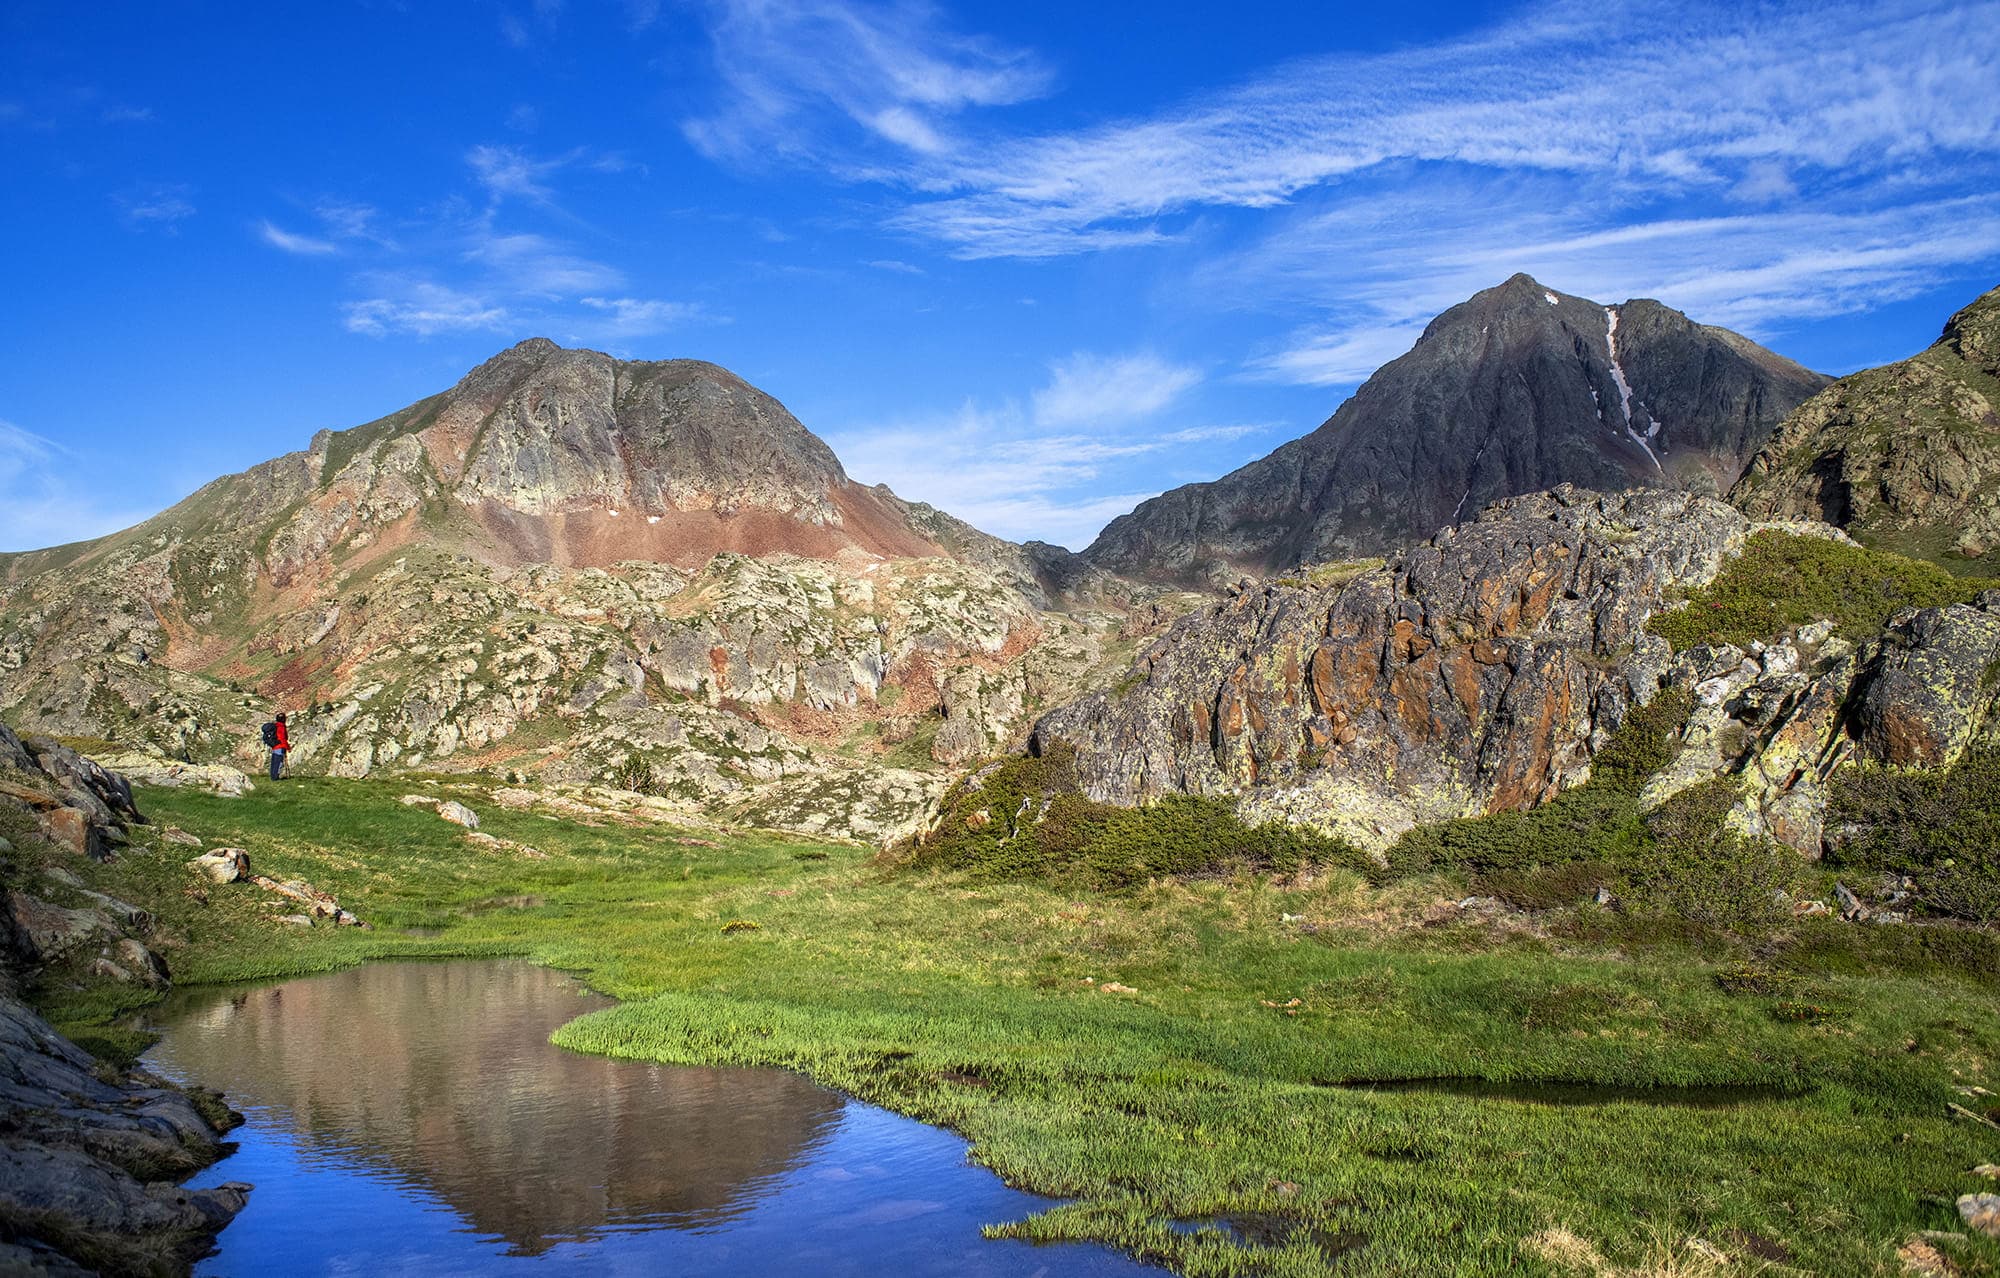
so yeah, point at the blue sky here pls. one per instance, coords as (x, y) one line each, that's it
(1032, 262)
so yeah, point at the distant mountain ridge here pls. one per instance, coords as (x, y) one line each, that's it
(1516, 390)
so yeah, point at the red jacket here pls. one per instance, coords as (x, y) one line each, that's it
(284, 742)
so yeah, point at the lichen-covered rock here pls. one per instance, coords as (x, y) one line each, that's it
(1930, 685)
(458, 814)
(223, 865)
(1476, 673)
(151, 769)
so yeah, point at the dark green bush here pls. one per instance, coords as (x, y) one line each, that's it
(1551, 887)
(1940, 827)
(1753, 978)
(1645, 742)
(1589, 823)
(1028, 819)
(1702, 870)
(1782, 580)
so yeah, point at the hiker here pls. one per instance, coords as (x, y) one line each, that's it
(275, 738)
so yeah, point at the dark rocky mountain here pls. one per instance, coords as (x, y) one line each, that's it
(1906, 456)
(1517, 390)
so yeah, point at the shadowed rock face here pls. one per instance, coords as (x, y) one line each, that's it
(1516, 390)
(1907, 455)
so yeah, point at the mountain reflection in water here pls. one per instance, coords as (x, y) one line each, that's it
(413, 1118)
(442, 1073)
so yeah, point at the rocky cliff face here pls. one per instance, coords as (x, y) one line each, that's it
(1483, 670)
(1906, 456)
(569, 567)
(1519, 389)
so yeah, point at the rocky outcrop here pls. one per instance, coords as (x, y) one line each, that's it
(1906, 456)
(89, 1156)
(1476, 673)
(1519, 389)
(1785, 716)
(1483, 671)
(88, 1153)
(78, 804)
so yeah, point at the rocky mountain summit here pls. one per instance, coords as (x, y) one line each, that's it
(1518, 389)
(1484, 670)
(570, 567)
(1906, 456)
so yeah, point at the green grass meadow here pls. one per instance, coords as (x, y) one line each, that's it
(1202, 1069)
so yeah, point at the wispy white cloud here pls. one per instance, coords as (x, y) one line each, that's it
(40, 504)
(1039, 469)
(509, 171)
(1648, 98)
(626, 317)
(1094, 390)
(345, 220)
(423, 308)
(157, 205)
(897, 267)
(992, 469)
(289, 242)
(811, 77)
(535, 265)
(520, 29)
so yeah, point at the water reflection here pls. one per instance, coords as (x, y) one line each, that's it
(413, 1117)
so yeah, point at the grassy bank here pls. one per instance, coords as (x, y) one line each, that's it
(1220, 1051)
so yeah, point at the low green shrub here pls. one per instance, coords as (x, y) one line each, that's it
(1782, 580)
(1700, 869)
(1028, 819)
(1596, 822)
(1645, 742)
(1589, 823)
(1551, 887)
(1938, 826)
(1755, 978)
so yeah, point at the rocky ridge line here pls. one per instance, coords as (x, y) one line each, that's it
(1906, 456)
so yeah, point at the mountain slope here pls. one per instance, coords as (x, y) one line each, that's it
(1906, 456)
(570, 567)
(1516, 390)
(548, 455)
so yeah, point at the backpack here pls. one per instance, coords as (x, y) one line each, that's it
(271, 734)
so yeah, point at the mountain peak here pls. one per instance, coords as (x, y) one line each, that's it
(1515, 389)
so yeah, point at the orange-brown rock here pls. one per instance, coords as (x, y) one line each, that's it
(1477, 672)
